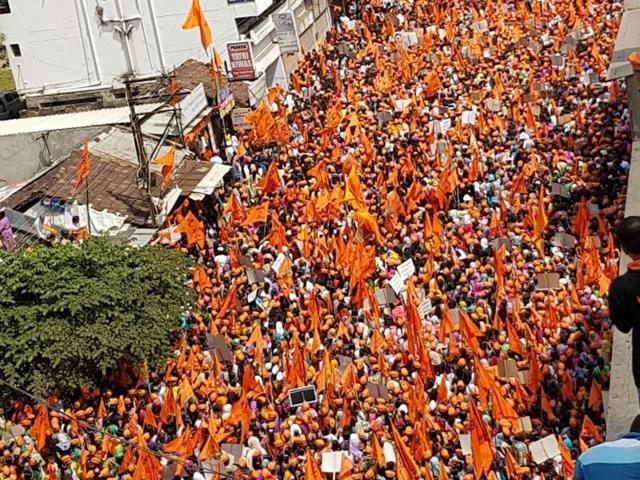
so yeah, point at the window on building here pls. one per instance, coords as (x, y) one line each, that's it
(15, 50)
(4, 7)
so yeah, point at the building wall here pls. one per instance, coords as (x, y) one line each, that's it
(23, 156)
(79, 46)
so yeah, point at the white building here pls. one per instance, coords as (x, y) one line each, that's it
(74, 45)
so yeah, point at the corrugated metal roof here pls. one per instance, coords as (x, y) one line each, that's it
(197, 179)
(117, 142)
(66, 121)
(627, 42)
(112, 187)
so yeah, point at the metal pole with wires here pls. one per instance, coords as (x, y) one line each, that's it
(143, 179)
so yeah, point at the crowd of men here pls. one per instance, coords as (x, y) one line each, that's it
(427, 246)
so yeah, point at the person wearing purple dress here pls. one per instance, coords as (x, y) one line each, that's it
(6, 232)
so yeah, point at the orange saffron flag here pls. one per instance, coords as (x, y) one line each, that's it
(514, 340)
(311, 468)
(196, 18)
(480, 442)
(83, 168)
(319, 172)
(567, 461)
(595, 395)
(41, 427)
(167, 160)
(234, 207)
(535, 374)
(271, 180)
(376, 451)
(257, 214)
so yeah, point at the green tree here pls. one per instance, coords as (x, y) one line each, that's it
(69, 315)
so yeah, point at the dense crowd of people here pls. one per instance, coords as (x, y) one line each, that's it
(426, 241)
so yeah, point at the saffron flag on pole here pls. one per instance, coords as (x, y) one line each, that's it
(83, 169)
(195, 18)
(167, 160)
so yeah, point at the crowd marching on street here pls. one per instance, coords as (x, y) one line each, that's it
(426, 242)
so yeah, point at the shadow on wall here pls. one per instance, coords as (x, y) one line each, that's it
(23, 156)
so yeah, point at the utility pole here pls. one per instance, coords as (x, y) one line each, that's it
(143, 176)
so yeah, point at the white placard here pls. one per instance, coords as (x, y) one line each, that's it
(424, 309)
(252, 296)
(468, 117)
(465, 443)
(406, 269)
(331, 462)
(277, 264)
(397, 283)
(544, 449)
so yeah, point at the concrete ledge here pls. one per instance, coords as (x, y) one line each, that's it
(623, 397)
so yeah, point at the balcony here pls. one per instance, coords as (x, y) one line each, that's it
(248, 8)
(247, 23)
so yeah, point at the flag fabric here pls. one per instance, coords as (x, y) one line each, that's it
(270, 182)
(167, 161)
(257, 214)
(196, 18)
(83, 168)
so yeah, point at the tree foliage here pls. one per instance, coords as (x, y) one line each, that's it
(69, 315)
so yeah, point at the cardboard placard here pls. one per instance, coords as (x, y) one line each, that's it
(523, 425)
(384, 116)
(332, 462)
(377, 390)
(547, 281)
(244, 261)
(278, 263)
(169, 472)
(465, 443)
(476, 96)
(297, 396)
(497, 243)
(255, 276)
(564, 119)
(397, 283)
(211, 467)
(507, 368)
(385, 296)
(493, 105)
(481, 26)
(557, 60)
(523, 376)
(402, 104)
(564, 240)
(406, 269)
(343, 363)
(455, 315)
(217, 344)
(235, 451)
(424, 309)
(559, 189)
(468, 117)
(252, 296)
(544, 449)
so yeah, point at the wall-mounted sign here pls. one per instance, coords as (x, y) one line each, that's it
(286, 32)
(241, 61)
